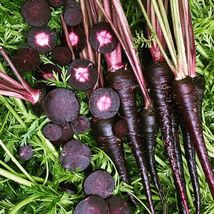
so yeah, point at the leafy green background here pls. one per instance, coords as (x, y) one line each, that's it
(19, 126)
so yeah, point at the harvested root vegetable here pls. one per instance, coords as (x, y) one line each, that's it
(99, 183)
(83, 74)
(81, 125)
(149, 130)
(117, 205)
(52, 131)
(36, 13)
(61, 106)
(75, 155)
(72, 13)
(26, 152)
(43, 39)
(92, 204)
(26, 59)
(102, 38)
(56, 3)
(120, 128)
(102, 130)
(104, 103)
(62, 56)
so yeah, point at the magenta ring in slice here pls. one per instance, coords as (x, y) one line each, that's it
(83, 74)
(104, 103)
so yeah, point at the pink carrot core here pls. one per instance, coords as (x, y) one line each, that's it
(81, 74)
(104, 103)
(104, 37)
(42, 39)
(73, 38)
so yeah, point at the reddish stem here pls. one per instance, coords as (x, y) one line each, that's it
(65, 29)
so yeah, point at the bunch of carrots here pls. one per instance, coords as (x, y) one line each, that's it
(173, 92)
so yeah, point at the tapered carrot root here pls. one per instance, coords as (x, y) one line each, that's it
(191, 162)
(159, 78)
(186, 99)
(150, 128)
(113, 147)
(175, 132)
(124, 83)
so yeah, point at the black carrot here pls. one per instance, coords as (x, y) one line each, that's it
(187, 101)
(150, 129)
(109, 143)
(159, 78)
(123, 82)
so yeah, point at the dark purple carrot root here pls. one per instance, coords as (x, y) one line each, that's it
(102, 130)
(46, 71)
(159, 77)
(72, 13)
(123, 82)
(62, 56)
(191, 162)
(81, 125)
(104, 103)
(186, 99)
(43, 39)
(52, 131)
(68, 187)
(75, 155)
(26, 152)
(61, 106)
(117, 205)
(26, 59)
(149, 130)
(56, 3)
(92, 204)
(36, 13)
(102, 38)
(99, 183)
(120, 128)
(175, 132)
(83, 74)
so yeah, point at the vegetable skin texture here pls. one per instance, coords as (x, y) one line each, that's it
(52, 131)
(104, 103)
(99, 183)
(149, 130)
(26, 152)
(43, 39)
(83, 74)
(120, 128)
(56, 3)
(186, 99)
(102, 38)
(62, 56)
(117, 205)
(72, 13)
(75, 155)
(36, 12)
(123, 82)
(81, 125)
(108, 142)
(92, 204)
(159, 77)
(26, 59)
(61, 106)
